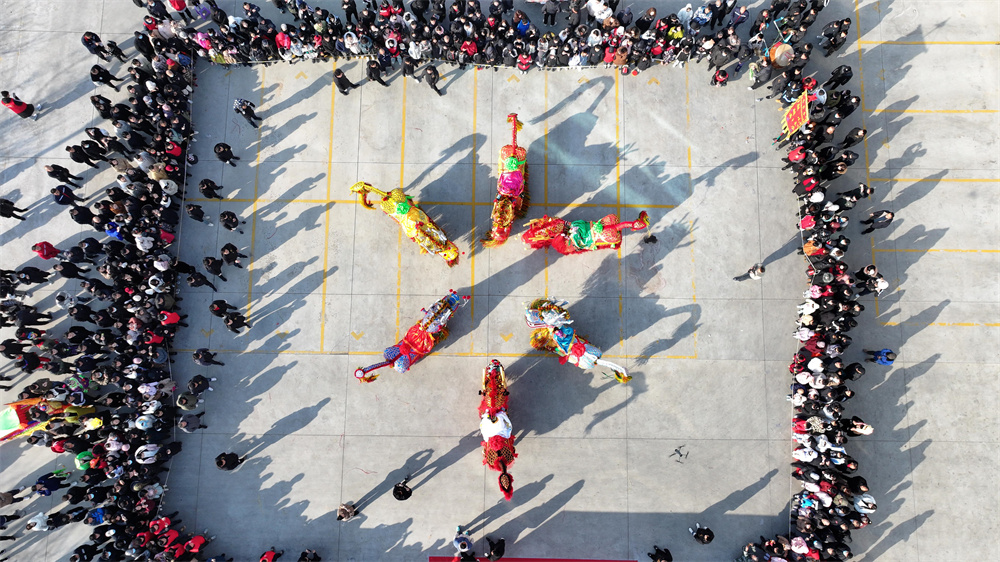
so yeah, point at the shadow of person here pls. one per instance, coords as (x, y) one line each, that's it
(522, 496)
(287, 425)
(535, 517)
(539, 380)
(466, 444)
(605, 82)
(411, 467)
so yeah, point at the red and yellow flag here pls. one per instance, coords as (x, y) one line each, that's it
(796, 116)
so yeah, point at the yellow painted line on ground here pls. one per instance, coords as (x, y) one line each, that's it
(932, 110)
(694, 290)
(953, 180)
(943, 250)
(399, 237)
(945, 324)
(546, 132)
(451, 203)
(872, 241)
(687, 132)
(618, 200)
(687, 94)
(545, 173)
(326, 219)
(266, 200)
(472, 208)
(479, 354)
(992, 43)
(253, 216)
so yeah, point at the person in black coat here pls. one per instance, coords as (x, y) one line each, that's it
(343, 83)
(224, 152)
(100, 75)
(375, 72)
(432, 76)
(63, 195)
(840, 76)
(61, 174)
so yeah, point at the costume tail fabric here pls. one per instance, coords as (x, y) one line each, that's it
(541, 232)
(621, 375)
(638, 224)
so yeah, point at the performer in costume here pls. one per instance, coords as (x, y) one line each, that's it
(420, 339)
(579, 236)
(412, 219)
(512, 188)
(494, 424)
(553, 333)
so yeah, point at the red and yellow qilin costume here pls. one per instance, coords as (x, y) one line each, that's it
(512, 188)
(412, 219)
(419, 340)
(575, 237)
(553, 333)
(494, 424)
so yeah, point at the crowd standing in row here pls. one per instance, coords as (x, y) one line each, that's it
(120, 396)
(592, 33)
(834, 500)
(108, 397)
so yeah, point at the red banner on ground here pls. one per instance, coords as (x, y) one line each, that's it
(506, 559)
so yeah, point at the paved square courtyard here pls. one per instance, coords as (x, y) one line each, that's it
(329, 285)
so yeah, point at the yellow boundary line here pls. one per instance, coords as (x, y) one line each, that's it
(945, 324)
(545, 168)
(618, 201)
(942, 250)
(326, 220)
(435, 353)
(868, 42)
(952, 180)
(472, 208)
(454, 203)
(399, 236)
(932, 110)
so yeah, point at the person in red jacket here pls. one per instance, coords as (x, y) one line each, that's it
(168, 318)
(45, 250)
(524, 62)
(23, 110)
(271, 555)
(180, 6)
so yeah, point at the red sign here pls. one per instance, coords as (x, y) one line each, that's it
(796, 116)
(506, 559)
